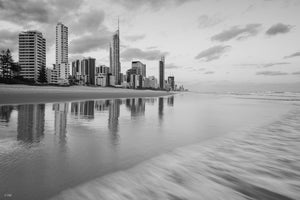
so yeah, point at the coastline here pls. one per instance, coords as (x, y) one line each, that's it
(21, 94)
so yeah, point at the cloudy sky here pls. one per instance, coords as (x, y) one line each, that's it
(208, 44)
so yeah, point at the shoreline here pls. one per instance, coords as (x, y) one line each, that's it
(22, 94)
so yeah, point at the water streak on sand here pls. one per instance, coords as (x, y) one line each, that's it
(263, 163)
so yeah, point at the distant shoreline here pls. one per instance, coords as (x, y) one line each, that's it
(21, 94)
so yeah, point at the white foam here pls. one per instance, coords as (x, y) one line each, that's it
(264, 162)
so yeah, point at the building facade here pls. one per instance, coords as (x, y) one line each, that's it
(115, 65)
(138, 68)
(32, 54)
(162, 73)
(61, 54)
(84, 71)
(171, 82)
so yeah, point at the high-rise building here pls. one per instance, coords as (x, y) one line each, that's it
(138, 68)
(101, 78)
(84, 71)
(115, 65)
(162, 73)
(102, 69)
(61, 43)
(62, 63)
(32, 54)
(89, 65)
(171, 82)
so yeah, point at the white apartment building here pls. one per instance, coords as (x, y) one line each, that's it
(61, 67)
(32, 54)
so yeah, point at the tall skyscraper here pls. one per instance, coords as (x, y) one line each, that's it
(162, 73)
(32, 54)
(61, 43)
(62, 63)
(115, 65)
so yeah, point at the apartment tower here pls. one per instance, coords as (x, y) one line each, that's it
(32, 54)
(115, 65)
(62, 51)
(162, 73)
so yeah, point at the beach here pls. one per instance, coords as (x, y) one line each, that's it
(186, 146)
(16, 94)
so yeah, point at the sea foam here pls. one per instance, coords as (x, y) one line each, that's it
(261, 163)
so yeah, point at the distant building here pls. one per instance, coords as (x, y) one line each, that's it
(162, 73)
(153, 82)
(84, 71)
(32, 54)
(49, 75)
(135, 81)
(138, 68)
(101, 80)
(90, 70)
(62, 64)
(102, 69)
(171, 82)
(111, 80)
(102, 72)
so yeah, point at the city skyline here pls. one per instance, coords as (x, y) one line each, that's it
(206, 45)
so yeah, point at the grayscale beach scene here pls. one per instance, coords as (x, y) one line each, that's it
(149, 100)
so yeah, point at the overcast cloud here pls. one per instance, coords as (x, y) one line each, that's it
(279, 28)
(271, 73)
(213, 53)
(293, 55)
(237, 32)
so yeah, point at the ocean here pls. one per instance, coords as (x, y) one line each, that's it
(186, 146)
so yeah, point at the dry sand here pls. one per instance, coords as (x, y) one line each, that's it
(17, 94)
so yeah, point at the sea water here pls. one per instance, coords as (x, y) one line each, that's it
(187, 146)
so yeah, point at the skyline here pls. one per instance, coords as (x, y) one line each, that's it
(207, 43)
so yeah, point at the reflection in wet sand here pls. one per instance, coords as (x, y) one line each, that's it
(136, 106)
(69, 143)
(113, 120)
(60, 120)
(31, 122)
(5, 112)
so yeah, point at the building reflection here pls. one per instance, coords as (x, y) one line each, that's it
(150, 101)
(31, 122)
(102, 105)
(60, 120)
(170, 101)
(136, 106)
(160, 108)
(113, 119)
(5, 113)
(84, 109)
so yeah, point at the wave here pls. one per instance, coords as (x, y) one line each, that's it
(261, 163)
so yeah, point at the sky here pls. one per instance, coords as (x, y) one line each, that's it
(209, 45)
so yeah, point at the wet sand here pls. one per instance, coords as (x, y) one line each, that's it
(17, 94)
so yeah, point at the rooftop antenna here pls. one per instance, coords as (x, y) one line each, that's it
(118, 23)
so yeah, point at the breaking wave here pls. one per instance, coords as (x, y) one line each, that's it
(262, 163)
